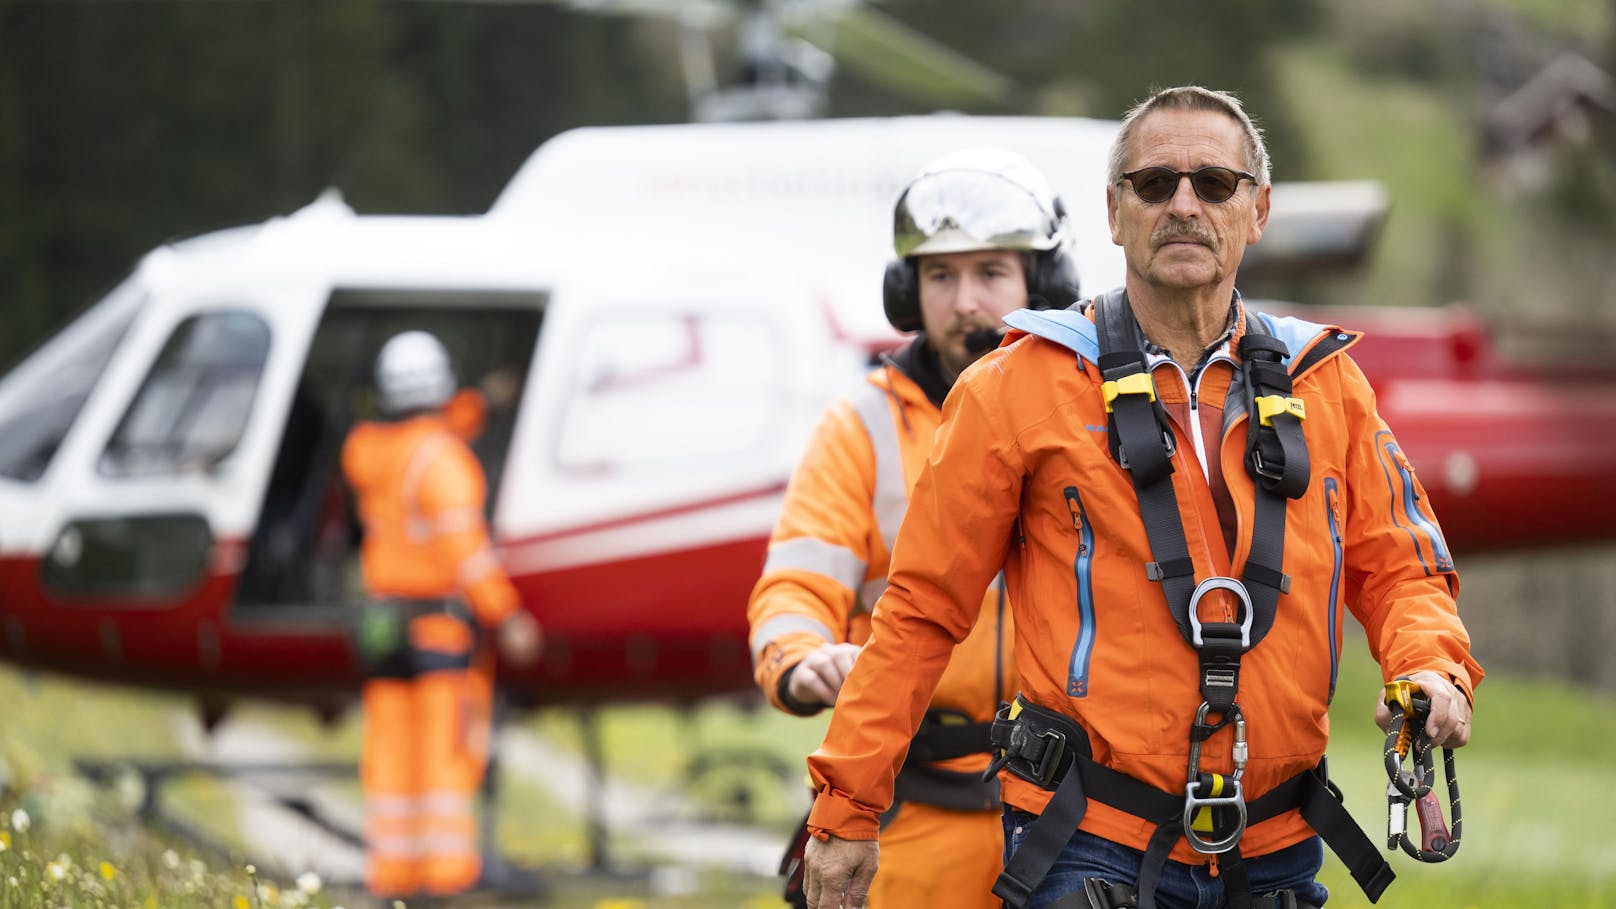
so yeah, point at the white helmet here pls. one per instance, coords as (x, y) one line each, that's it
(979, 198)
(412, 373)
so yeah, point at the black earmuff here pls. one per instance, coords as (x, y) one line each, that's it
(1052, 283)
(900, 295)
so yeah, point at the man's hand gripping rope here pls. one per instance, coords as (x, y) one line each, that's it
(1409, 728)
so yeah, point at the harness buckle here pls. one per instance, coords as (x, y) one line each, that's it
(1137, 384)
(1167, 443)
(1263, 470)
(1054, 746)
(1270, 406)
(1226, 792)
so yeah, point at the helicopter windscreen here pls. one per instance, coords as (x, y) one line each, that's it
(41, 398)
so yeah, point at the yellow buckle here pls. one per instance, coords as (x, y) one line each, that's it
(1137, 384)
(1270, 406)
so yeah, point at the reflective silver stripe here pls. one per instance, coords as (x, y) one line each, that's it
(457, 519)
(477, 566)
(417, 527)
(448, 845)
(869, 593)
(447, 801)
(394, 846)
(891, 495)
(390, 806)
(838, 563)
(786, 624)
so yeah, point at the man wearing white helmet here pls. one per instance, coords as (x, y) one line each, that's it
(978, 234)
(437, 593)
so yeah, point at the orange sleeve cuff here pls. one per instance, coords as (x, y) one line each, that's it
(836, 815)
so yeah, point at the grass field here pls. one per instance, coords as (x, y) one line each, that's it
(1534, 782)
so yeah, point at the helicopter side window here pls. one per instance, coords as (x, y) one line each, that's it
(193, 406)
(40, 399)
(660, 389)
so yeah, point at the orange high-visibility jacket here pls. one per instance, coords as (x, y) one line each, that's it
(828, 556)
(1021, 478)
(420, 492)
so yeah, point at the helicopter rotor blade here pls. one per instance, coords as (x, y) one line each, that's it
(895, 56)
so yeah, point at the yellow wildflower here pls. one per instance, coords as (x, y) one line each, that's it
(107, 871)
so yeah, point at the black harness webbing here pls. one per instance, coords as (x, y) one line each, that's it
(1030, 739)
(401, 659)
(1040, 745)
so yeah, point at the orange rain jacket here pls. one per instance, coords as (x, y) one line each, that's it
(1025, 429)
(420, 492)
(828, 557)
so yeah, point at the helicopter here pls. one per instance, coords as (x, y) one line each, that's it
(656, 316)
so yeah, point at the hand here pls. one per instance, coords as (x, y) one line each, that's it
(839, 872)
(819, 677)
(520, 639)
(1449, 722)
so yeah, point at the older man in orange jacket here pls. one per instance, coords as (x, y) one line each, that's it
(977, 233)
(434, 581)
(1185, 496)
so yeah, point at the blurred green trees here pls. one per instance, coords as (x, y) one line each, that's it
(126, 124)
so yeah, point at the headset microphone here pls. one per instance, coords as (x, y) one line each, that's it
(982, 340)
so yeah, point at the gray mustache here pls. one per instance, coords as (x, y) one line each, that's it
(1181, 230)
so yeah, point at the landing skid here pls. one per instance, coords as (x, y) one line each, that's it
(287, 785)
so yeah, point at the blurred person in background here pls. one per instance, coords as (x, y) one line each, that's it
(1178, 552)
(437, 599)
(978, 234)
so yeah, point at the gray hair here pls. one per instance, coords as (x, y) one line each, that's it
(1189, 97)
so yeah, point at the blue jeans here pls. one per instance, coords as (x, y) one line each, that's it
(1182, 886)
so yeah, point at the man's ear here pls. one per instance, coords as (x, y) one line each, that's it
(1264, 192)
(1111, 193)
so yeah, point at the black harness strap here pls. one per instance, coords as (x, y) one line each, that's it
(943, 734)
(405, 661)
(1142, 443)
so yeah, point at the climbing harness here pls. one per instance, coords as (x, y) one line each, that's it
(1051, 750)
(1410, 776)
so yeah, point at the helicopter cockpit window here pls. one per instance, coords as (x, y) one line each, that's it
(660, 389)
(40, 399)
(193, 406)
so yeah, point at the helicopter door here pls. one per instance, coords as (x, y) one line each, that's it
(303, 558)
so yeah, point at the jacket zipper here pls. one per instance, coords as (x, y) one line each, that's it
(1196, 435)
(1330, 493)
(1077, 675)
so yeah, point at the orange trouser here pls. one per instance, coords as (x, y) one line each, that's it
(934, 857)
(424, 751)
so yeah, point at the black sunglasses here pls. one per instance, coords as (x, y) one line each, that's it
(1211, 184)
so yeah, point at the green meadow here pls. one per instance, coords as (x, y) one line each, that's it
(1535, 788)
